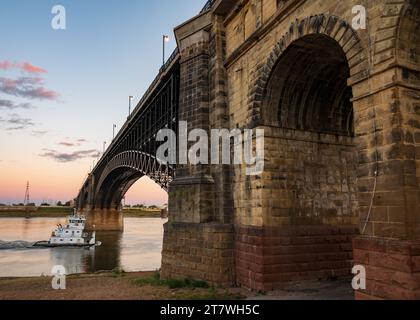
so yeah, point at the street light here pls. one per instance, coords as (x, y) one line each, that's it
(104, 146)
(129, 105)
(113, 131)
(165, 39)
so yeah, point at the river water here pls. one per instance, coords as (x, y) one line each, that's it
(138, 248)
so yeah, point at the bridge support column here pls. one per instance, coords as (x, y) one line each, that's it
(389, 247)
(202, 251)
(392, 268)
(197, 243)
(104, 220)
(194, 244)
(97, 219)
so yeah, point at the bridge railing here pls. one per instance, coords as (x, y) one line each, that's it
(156, 80)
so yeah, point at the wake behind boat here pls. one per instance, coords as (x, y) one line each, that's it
(71, 235)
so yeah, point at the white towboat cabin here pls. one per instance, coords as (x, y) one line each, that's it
(72, 233)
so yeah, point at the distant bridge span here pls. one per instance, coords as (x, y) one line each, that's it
(132, 153)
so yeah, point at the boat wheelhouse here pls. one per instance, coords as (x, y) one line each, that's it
(71, 234)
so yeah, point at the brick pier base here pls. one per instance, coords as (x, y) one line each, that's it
(104, 220)
(267, 257)
(392, 268)
(198, 251)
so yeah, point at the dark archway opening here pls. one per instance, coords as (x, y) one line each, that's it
(308, 88)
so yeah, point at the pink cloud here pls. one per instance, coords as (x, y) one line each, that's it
(31, 68)
(6, 65)
(26, 87)
(42, 93)
(25, 66)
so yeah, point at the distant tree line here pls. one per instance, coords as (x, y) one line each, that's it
(141, 206)
(68, 204)
(44, 204)
(58, 204)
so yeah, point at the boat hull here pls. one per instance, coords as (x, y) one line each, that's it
(46, 244)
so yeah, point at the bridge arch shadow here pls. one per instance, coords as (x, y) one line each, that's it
(304, 103)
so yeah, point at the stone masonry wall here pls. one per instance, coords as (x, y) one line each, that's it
(308, 179)
(199, 251)
(267, 257)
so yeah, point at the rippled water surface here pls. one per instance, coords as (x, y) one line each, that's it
(138, 248)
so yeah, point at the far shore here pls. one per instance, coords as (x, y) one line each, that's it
(62, 212)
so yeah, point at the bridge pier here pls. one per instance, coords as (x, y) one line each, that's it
(104, 220)
(96, 218)
(198, 239)
(201, 251)
(195, 245)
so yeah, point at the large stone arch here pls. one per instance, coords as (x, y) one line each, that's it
(383, 72)
(307, 197)
(328, 26)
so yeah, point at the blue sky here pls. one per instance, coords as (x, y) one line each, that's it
(110, 50)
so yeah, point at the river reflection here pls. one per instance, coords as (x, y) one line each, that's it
(138, 248)
(108, 255)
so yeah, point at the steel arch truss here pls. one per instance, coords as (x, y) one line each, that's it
(142, 163)
(131, 155)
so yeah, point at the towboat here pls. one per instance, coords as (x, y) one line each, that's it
(71, 235)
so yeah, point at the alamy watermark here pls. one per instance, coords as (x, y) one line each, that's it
(360, 18)
(359, 280)
(220, 147)
(59, 278)
(58, 21)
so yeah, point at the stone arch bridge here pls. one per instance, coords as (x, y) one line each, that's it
(341, 112)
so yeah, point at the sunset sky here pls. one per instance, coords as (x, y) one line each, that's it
(61, 91)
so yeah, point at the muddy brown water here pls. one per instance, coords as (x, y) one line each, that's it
(138, 248)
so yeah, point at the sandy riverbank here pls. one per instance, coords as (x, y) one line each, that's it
(109, 286)
(145, 286)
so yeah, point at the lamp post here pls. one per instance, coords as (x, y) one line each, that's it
(129, 105)
(113, 131)
(104, 146)
(165, 39)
